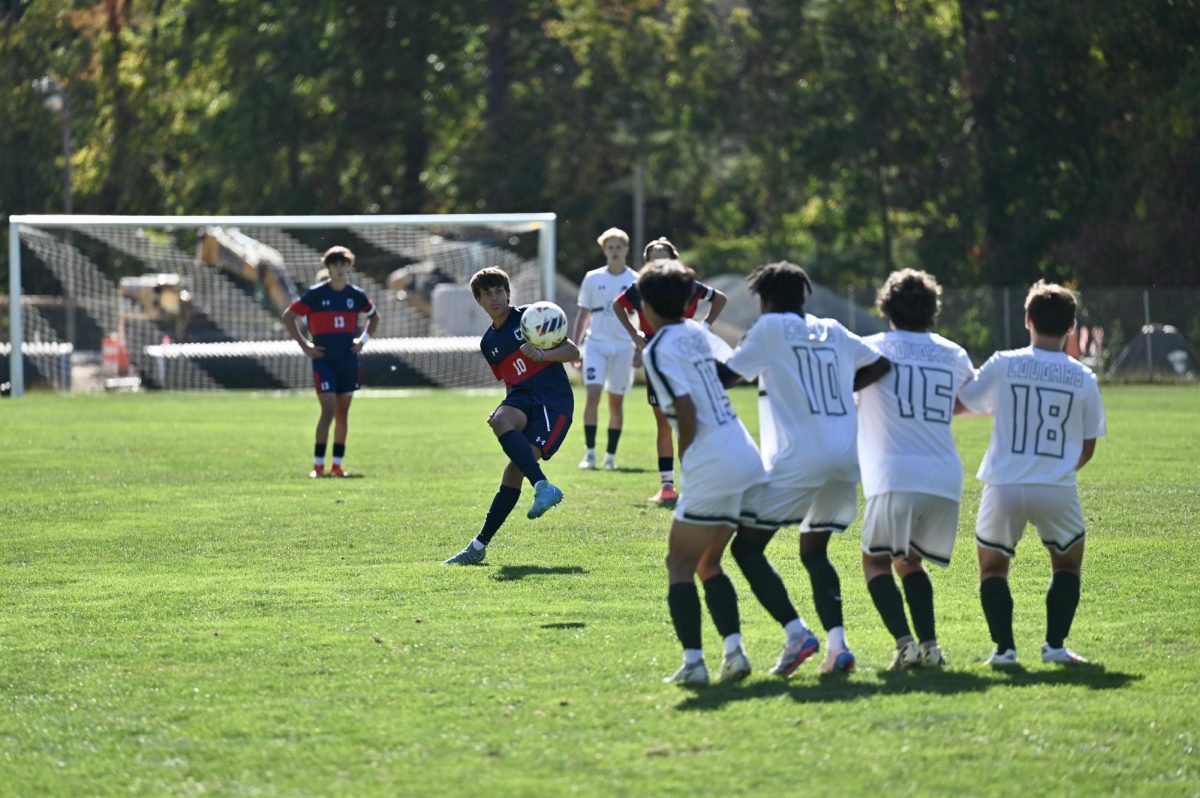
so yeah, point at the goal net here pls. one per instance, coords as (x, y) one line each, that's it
(194, 303)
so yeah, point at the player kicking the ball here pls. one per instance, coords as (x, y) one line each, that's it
(535, 415)
(1046, 415)
(911, 472)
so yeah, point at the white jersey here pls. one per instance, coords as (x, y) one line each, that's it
(599, 289)
(1044, 405)
(722, 458)
(806, 365)
(904, 439)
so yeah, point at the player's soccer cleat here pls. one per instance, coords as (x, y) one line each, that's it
(588, 463)
(794, 653)
(610, 462)
(666, 496)
(468, 556)
(905, 656)
(317, 472)
(736, 666)
(931, 656)
(1002, 659)
(1061, 656)
(838, 660)
(545, 496)
(337, 471)
(695, 673)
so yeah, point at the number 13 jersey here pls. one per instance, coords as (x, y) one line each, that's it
(1044, 405)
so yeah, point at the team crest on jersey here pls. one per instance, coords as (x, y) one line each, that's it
(350, 304)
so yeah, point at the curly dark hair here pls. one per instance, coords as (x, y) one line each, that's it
(784, 285)
(910, 299)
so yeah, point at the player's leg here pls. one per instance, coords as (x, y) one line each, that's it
(934, 527)
(918, 593)
(998, 528)
(590, 414)
(502, 505)
(617, 383)
(1058, 516)
(545, 430)
(833, 509)
(687, 545)
(341, 427)
(666, 460)
(508, 423)
(885, 536)
(328, 402)
(616, 421)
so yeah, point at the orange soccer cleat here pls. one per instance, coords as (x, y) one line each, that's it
(665, 497)
(337, 471)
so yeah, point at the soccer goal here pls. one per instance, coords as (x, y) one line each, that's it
(194, 302)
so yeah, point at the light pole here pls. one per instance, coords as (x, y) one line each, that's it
(59, 102)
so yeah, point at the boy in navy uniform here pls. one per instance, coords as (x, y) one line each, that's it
(331, 309)
(535, 415)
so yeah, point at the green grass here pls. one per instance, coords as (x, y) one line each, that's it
(182, 612)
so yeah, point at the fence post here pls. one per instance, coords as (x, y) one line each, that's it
(1148, 331)
(1007, 320)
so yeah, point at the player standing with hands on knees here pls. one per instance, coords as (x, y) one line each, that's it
(1046, 415)
(534, 417)
(717, 457)
(331, 309)
(631, 302)
(911, 472)
(607, 350)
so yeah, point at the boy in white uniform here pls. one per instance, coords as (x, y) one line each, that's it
(809, 368)
(1046, 415)
(911, 472)
(607, 350)
(718, 460)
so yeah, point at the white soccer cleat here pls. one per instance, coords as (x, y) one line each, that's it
(1002, 659)
(588, 463)
(694, 673)
(905, 656)
(1061, 656)
(610, 462)
(736, 666)
(932, 656)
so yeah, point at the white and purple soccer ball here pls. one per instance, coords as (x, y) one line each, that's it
(544, 324)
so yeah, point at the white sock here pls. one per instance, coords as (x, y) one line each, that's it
(475, 544)
(795, 629)
(337, 461)
(319, 461)
(591, 454)
(733, 643)
(837, 638)
(668, 478)
(693, 655)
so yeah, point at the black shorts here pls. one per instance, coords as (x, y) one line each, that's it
(545, 427)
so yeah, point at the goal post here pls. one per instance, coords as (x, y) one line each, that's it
(193, 314)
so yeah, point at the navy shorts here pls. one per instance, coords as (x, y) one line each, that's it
(545, 428)
(336, 376)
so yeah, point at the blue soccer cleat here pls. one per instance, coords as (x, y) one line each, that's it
(545, 496)
(468, 556)
(795, 653)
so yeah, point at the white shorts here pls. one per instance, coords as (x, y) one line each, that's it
(1004, 511)
(823, 508)
(894, 522)
(708, 509)
(609, 363)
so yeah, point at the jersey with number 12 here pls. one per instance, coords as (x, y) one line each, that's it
(1044, 405)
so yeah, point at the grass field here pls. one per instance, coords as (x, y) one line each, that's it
(183, 612)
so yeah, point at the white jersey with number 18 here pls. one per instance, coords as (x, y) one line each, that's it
(1044, 405)
(904, 438)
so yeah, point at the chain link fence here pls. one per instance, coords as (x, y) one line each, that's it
(1127, 334)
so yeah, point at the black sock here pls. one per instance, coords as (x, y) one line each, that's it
(666, 463)
(721, 599)
(319, 451)
(1061, 600)
(684, 602)
(502, 504)
(520, 451)
(339, 450)
(614, 435)
(998, 609)
(919, 592)
(765, 582)
(589, 436)
(826, 588)
(887, 600)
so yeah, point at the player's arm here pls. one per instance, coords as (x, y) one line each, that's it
(582, 319)
(1089, 449)
(719, 300)
(871, 373)
(728, 376)
(685, 420)
(566, 352)
(368, 333)
(308, 347)
(634, 333)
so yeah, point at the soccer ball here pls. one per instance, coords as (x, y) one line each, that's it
(544, 324)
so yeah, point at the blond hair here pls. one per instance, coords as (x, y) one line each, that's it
(613, 232)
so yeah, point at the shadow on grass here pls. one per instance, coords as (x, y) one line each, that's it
(565, 625)
(510, 573)
(841, 688)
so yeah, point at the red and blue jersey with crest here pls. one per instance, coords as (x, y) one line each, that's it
(332, 316)
(544, 381)
(631, 300)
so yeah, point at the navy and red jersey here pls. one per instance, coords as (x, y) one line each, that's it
(545, 381)
(631, 300)
(333, 316)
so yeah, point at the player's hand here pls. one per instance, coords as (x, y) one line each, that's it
(357, 346)
(532, 352)
(315, 352)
